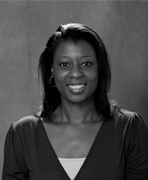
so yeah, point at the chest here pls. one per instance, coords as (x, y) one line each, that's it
(72, 142)
(105, 155)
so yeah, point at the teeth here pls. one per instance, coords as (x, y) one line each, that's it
(76, 86)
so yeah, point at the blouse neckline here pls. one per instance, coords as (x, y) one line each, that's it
(98, 135)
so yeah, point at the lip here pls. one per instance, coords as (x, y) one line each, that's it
(76, 84)
(77, 91)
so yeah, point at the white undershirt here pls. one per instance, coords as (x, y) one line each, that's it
(72, 165)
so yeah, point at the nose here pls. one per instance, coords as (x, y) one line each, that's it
(76, 72)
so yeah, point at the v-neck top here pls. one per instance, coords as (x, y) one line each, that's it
(119, 151)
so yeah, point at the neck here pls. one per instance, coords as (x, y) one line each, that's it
(76, 113)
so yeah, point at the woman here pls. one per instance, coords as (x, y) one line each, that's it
(79, 134)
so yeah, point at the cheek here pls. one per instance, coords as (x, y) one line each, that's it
(92, 75)
(60, 76)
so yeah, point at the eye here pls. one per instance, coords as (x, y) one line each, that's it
(87, 64)
(64, 64)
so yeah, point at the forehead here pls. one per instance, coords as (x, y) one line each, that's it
(78, 48)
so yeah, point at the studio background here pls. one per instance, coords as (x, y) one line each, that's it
(25, 27)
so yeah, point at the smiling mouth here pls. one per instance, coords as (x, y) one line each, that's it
(77, 88)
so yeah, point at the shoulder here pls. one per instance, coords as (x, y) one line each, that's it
(23, 134)
(131, 122)
(125, 120)
(125, 116)
(28, 123)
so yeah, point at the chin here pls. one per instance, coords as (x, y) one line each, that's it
(80, 99)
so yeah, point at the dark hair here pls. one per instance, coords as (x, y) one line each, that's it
(75, 32)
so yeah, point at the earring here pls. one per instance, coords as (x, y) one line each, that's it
(50, 82)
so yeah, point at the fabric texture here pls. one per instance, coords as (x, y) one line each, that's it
(119, 151)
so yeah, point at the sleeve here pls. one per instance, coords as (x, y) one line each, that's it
(137, 149)
(15, 166)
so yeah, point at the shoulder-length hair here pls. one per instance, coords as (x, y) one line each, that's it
(75, 32)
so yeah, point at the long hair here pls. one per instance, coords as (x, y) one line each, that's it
(75, 32)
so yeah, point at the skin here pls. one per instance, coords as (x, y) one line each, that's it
(76, 121)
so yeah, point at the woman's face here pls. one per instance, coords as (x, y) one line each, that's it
(75, 71)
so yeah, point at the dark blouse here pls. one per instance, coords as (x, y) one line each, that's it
(119, 151)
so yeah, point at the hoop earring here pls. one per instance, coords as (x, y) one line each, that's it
(50, 82)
